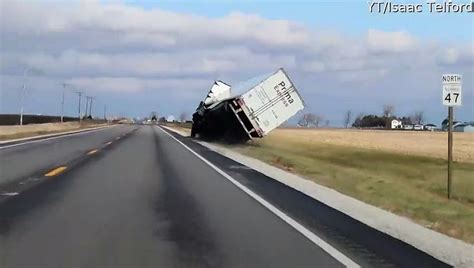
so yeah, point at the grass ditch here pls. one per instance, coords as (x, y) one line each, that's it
(409, 185)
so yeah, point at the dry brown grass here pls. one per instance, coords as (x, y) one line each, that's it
(402, 172)
(16, 132)
(421, 143)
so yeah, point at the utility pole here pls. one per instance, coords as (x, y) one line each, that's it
(90, 107)
(105, 112)
(79, 93)
(23, 93)
(62, 104)
(87, 104)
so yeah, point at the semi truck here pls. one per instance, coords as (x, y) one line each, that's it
(248, 110)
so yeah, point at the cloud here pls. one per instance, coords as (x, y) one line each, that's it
(111, 85)
(453, 56)
(128, 51)
(380, 41)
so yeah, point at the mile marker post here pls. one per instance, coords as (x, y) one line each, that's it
(452, 96)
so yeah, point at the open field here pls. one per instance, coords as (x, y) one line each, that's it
(402, 172)
(421, 143)
(16, 132)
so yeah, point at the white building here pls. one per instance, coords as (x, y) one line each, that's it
(418, 127)
(463, 128)
(430, 127)
(396, 124)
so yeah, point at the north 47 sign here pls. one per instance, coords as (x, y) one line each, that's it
(452, 90)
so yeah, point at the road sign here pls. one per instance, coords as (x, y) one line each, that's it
(452, 96)
(452, 90)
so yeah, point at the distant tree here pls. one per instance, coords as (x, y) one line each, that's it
(405, 120)
(347, 118)
(358, 120)
(387, 114)
(309, 119)
(317, 120)
(162, 119)
(418, 117)
(303, 122)
(327, 123)
(153, 116)
(306, 120)
(369, 121)
(388, 110)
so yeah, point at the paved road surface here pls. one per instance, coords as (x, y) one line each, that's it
(146, 200)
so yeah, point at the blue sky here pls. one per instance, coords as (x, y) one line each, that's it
(142, 56)
(351, 17)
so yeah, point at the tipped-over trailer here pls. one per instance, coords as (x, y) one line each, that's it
(266, 103)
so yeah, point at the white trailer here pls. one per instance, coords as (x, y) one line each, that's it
(259, 105)
(267, 104)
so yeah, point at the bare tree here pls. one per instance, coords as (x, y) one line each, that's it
(183, 116)
(347, 118)
(388, 110)
(306, 120)
(387, 114)
(418, 117)
(317, 120)
(309, 119)
(153, 117)
(302, 122)
(327, 123)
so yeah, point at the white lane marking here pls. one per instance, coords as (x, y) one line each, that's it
(336, 254)
(52, 138)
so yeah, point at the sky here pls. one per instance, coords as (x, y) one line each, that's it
(136, 57)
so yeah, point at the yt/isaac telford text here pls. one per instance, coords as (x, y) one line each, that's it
(432, 7)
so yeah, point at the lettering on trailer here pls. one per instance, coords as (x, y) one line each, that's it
(286, 97)
(272, 102)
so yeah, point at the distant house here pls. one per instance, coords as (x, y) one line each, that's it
(408, 127)
(466, 127)
(430, 127)
(418, 127)
(396, 124)
(445, 124)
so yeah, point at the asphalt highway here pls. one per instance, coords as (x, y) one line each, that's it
(139, 196)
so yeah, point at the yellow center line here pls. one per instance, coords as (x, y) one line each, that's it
(55, 171)
(92, 152)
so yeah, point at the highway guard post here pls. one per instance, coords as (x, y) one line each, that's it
(452, 96)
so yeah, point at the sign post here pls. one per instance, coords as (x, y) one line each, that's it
(450, 149)
(452, 96)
